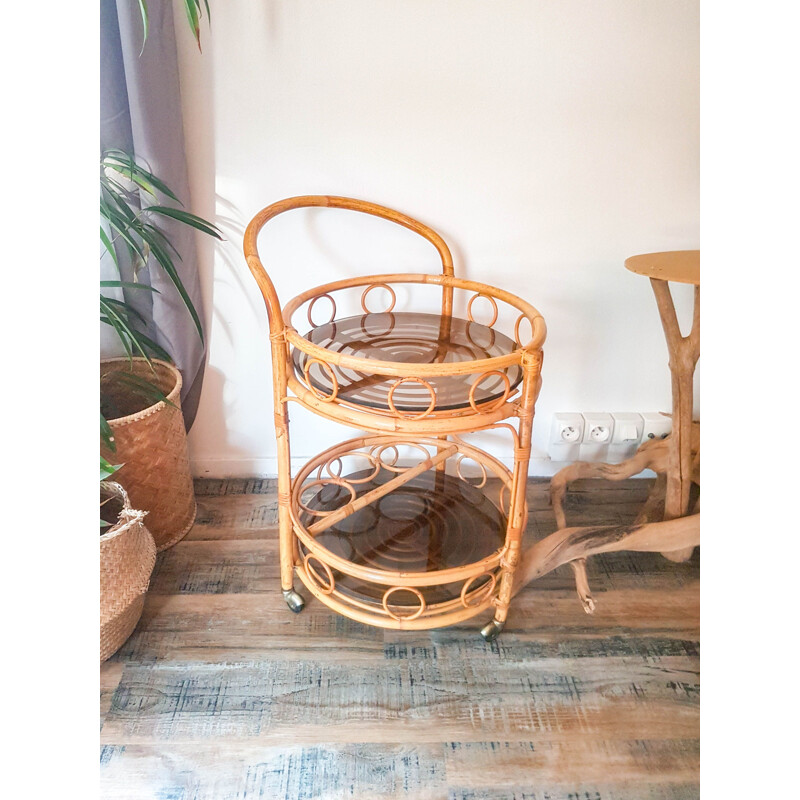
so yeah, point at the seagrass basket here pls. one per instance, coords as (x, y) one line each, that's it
(151, 445)
(127, 558)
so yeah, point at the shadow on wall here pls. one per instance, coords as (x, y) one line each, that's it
(233, 225)
(216, 406)
(227, 343)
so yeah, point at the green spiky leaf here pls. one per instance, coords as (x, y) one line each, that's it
(188, 219)
(124, 164)
(107, 469)
(145, 23)
(108, 246)
(127, 285)
(192, 15)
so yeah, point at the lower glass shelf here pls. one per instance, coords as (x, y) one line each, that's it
(402, 532)
(433, 522)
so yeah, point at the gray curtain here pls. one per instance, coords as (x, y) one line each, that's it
(140, 112)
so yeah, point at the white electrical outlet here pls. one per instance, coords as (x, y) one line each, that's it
(627, 436)
(599, 436)
(597, 433)
(566, 434)
(655, 426)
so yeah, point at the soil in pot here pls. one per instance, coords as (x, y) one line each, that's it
(119, 396)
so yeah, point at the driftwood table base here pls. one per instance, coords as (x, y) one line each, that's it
(675, 459)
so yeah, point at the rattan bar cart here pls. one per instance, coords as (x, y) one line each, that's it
(407, 525)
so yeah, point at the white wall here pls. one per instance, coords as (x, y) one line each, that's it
(546, 141)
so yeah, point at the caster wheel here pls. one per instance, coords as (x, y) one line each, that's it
(490, 631)
(294, 600)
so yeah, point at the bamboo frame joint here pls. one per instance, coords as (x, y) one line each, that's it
(278, 336)
(532, 359)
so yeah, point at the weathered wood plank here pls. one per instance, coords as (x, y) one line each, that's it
(432, 699)
(251, 565)
(240, 626)
(235, 517)
(490, 770)
(614, 720)
(217, 567)
(586, 761)
(582, 791)
(211, 487)
(290, 772)
(225, 627)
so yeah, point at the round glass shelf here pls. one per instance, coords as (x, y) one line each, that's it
(433, 522)
(408, 338)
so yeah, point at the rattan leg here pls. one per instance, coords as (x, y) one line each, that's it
(512, 554)
(517, 513)
(287, 544)
(286, 536)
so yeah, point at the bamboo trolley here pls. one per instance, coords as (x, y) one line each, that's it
(402, 542)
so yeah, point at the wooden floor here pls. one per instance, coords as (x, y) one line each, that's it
(223, 694)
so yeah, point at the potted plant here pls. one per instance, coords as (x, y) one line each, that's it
(141, 424)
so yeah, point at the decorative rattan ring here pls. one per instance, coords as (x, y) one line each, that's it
(483, 471)
(327, 467)
(311, 305)
(495, 404)
(381, 450)
(321, 585)
(390, 398)
(484, 593)
(393, 467)
(389, 592)
(516, 329)
(325, 398)
(336, 482)
(368, 456)
(490, 299)
(377, 286)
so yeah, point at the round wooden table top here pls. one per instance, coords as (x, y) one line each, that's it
(682, 266)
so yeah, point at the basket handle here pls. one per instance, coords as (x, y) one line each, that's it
(128, 514)
(276, 322)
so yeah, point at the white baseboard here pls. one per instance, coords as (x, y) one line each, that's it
(268, 467)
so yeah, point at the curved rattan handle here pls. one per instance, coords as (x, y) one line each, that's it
(310, 201)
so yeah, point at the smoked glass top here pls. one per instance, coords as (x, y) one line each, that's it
(408, 338)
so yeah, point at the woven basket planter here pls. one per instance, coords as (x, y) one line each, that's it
(151, 444)
(127, 558)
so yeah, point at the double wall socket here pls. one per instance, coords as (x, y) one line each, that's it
(600, 436)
